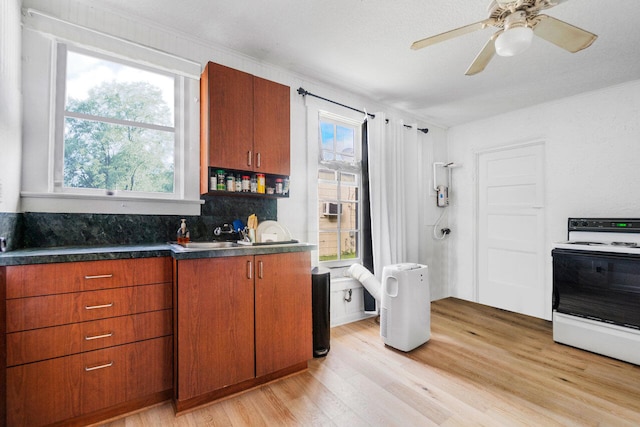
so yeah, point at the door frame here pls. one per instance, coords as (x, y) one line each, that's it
(477, 153)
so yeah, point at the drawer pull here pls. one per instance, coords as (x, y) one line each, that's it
(249, 270)
(99, 276)
(259, 161)
(97, 337)
(260, 270)
(93, 368)
(93, 307)
(249, 156)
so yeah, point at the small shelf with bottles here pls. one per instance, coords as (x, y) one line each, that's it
(234, 182)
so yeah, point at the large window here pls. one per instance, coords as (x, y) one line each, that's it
(339, 184)
(118, 127)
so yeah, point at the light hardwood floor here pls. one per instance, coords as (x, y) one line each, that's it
(482, 366)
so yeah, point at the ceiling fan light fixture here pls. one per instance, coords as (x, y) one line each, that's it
(514, 40)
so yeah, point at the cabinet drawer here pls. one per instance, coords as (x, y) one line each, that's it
(53, 310)
(46, 279)
(47, 343)
(63, 388)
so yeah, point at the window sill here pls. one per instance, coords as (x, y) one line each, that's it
(81, 203)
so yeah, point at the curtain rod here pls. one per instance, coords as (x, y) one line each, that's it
(303, 92)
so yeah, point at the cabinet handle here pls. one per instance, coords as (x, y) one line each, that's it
(249, 157)
(96, 337)
(260, 270)
(99, 276)
(249, 270)
(259, 161)
(93, 307)
(93, 368)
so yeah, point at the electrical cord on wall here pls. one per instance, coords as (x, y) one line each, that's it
(444, 231)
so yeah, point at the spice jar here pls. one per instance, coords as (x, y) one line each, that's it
(254, 184)
(246, 184)
(285, 190)
(279, 186)
(231, 183)
(220, 179)
(261, 183)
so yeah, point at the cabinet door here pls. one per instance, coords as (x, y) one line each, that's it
(214, 324)
(283, 311)
(271, 122)
(227, 105)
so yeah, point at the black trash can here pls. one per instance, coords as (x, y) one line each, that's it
(320, 296)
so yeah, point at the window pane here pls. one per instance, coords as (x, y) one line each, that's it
(328, 213)
(349, 178)
(328, 246)
(348, 186)
(328, 155)
(326, 175)
(327, 136)
(345, 143)
(109, 89)
(349, 216)
(113, 157)
(348, 245)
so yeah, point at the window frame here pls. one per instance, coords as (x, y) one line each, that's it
(41, 34)
(339, 167)
(60, 114)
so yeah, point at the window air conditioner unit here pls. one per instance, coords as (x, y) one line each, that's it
(332, 209)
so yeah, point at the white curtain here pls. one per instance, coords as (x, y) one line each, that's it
(394, 170)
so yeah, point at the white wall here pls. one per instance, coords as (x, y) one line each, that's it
(592, 159)
(10, 106)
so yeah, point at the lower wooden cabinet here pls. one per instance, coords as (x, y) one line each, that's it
(283, 311)
(240, 321)
(85, 341)
(58, 389)
(214, 325)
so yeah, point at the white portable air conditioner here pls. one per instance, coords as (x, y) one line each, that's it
(405, 307)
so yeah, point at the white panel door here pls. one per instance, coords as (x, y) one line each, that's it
(511, 229)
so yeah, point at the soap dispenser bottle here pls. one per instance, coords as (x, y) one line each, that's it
(183, 232)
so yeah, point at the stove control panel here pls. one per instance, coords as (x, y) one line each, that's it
(620, 225)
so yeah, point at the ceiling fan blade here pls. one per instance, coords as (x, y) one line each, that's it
(485, 55)
(566, 36)
(451, 34)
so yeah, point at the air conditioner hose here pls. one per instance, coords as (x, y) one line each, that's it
(368, 280)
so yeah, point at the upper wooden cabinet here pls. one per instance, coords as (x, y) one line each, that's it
(244, 123)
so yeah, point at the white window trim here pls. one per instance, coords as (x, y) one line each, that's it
(41, 195)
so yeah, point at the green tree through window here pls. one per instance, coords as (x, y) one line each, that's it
(119, 136)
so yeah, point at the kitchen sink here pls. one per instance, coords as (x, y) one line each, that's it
(208, 245)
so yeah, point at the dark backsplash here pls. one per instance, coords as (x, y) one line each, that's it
(40, 230)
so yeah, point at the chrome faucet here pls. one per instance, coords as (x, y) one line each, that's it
(224, 229)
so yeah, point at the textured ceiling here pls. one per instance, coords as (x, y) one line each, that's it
(363, 46)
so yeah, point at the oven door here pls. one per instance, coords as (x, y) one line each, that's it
(597, 285)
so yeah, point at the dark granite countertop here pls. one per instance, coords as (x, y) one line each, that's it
(94, 253)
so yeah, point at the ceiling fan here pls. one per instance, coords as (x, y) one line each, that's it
(518, 21)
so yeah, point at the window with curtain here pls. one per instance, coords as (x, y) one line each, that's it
(339, 191)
